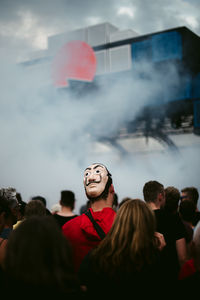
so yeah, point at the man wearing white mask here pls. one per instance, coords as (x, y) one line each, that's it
(86, 231)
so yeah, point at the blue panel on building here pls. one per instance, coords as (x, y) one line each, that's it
(196, 86)
(141, 50)
(167, 45)
(180, 90)
(197, 114)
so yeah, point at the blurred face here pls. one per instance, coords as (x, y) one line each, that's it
(95, 179)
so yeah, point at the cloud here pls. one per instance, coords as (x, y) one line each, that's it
(33, 21)
(126, 11)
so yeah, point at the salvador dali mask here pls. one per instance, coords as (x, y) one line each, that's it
(95, 179)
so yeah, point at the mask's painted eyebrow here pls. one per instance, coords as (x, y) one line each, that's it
(98, 166)
(87, 169)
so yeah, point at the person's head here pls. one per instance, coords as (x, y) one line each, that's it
(4, 211)
(44, 201)
(190, 193)
(97, 181)
(154, 192)
(9, 194)
(187, 210)
(34, 208)
(38, 254)
(67, 199)
(172, 197)
(124, 200)
(40, 198)
(131, 239)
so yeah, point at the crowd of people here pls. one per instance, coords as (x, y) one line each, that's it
(112, 248)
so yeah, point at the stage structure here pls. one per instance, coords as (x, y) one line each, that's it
(116, 55)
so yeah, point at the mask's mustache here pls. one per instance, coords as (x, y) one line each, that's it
(93, 181)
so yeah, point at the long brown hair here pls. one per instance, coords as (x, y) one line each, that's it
(131, 242)
(38, 254)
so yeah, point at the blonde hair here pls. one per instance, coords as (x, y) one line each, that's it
(131, 241)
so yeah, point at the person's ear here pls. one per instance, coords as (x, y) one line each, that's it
(161, 197)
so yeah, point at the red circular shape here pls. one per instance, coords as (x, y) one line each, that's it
(75, 60)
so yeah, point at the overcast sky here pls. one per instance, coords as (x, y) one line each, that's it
(25, 25)
(34, 156)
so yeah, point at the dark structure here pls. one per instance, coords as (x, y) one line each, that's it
(172, 54)
(177, 108)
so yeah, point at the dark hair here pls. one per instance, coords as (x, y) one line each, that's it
(192, 193)
(42, 199)
(123, 201)
(115, 202)
(34, 208)
(67, 198)
(40, 256)
(151, 190)
(172, 197)
(9, 194)
(187, 210)
(4, 206)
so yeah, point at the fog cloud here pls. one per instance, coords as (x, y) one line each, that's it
(48, 137)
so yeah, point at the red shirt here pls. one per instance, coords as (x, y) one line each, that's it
(82, 235)
(187, 269)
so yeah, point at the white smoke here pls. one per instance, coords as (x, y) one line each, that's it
(48, 136)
